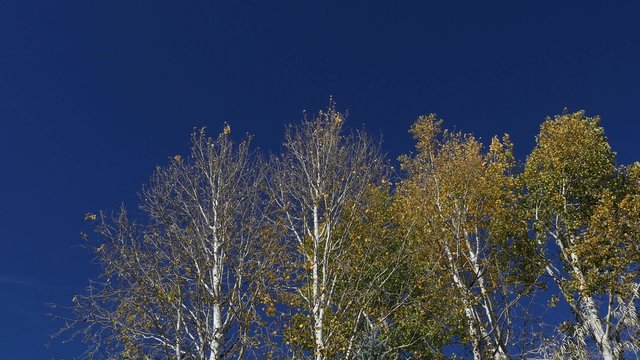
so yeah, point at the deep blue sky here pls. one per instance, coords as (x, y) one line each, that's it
(95, 94)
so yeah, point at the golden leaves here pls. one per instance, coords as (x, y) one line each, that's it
(426, 129)
(90, 216)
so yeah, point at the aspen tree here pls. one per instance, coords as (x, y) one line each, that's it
(183, 281)
(317, 186)
(584, 214)
(462, 205)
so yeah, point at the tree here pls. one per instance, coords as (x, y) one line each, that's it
(320, 187)
(462, 207)
(584, 213)
(184, 283)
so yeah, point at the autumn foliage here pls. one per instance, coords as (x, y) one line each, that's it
(324, 251)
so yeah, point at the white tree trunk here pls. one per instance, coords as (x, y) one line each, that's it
(318, 311)
(474, 334)
(177, 345)
(217, 333)
(472, 320)
(592, 320)
(591, 317)
(216, 279)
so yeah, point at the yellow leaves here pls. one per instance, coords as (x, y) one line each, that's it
(573, 142)
(338, 119)
(571, 178)
(500, 154)
(571, 164)
(270, 309)
(426, 130)
(227, 129)
(452, 177)
(177, 158)
(90, 217)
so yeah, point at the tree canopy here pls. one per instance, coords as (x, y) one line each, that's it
(324, 251)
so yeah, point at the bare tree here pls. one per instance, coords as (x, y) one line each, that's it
(184, 283)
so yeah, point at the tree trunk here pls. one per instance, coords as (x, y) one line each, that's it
(318, 311)
(590, 313)
(216, 279)
(217, 333)
(473, 322)
(179, 319)
(476, 338)
(591, 317)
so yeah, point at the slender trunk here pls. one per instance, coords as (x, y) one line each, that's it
(590, 314)
(318, 311)
(352, 338)
(217, 333)
(589, 310)
(476, 338)
(178, 321)
(473, 322)
(216, 278)
(318, 335)
(500, 351)
(591, 317)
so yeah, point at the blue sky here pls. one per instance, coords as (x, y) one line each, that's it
(95, 94)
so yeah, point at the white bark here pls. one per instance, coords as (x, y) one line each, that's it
(216, 280)
(480, 338)
(217, 333)
(313, 180)
(593, 323)
(318, 308)
(178, 322)
(184, 295)
(586, 307)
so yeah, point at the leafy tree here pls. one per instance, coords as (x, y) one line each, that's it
(584, 213)
(322, 187)
(379, 317)
(461, 205)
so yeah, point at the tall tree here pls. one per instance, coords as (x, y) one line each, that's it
(183, 283)
(461, 205)
(319, 186)
(584, 213)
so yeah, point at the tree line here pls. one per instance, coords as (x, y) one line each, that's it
(324, 251)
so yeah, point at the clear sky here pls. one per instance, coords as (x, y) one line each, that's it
(94, 94)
